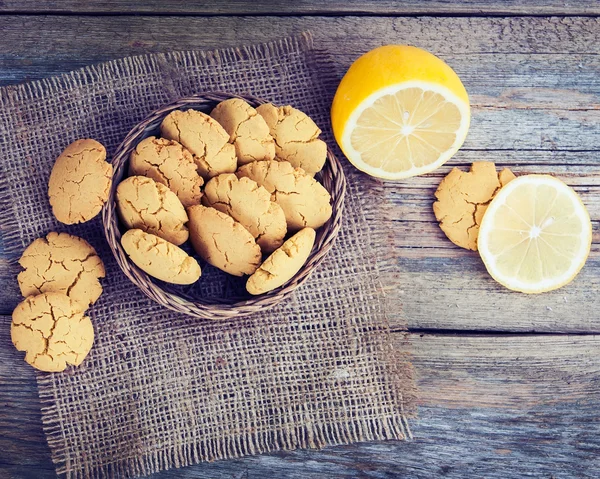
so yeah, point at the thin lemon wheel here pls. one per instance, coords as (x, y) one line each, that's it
(399, 112)
(535, 235)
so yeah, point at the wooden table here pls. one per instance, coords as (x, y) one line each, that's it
(510, 384)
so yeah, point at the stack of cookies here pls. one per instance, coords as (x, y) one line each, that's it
(238, 184)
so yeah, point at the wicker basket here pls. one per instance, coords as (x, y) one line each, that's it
(231, 300)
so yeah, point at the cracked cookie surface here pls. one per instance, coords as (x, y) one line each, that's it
(283, 264)
(80, 181)
(250, 205)
(462, 198)
(169, 163)
(62, 263)
(296, 137)
(222, 241)
(144, 204)
(305, 202)
(52, 330)
(159, 258)
(204, 137)
(247, 130)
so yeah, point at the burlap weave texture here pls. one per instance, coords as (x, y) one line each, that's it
(162, 390)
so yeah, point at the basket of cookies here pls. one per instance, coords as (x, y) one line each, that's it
(222, 205)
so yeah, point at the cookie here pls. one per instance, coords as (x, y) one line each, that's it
(283, 264)
(296, 137)
(52, 330)
(144, 204)
(205, 138)
(305, 202)
(169, 163)
(80, 182)
(247, 130)
(62, 263)
(159, 258)
(250, 205)
(222, 241)
(462, 198)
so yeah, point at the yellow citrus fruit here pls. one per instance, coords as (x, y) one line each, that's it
(400, 111)
(535, 235)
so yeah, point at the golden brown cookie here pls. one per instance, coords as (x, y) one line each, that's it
(205, 138)
(296, 137)
(152, 207)
(222, 241)
(250, 205)
(52, 330)
(159, 258)
(62, 263)
(169, 163)
(80, 182)
(305, 202)
(283, 264)
(462, 199)
(247, 130)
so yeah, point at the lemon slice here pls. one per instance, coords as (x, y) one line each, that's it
(399, 112)
(535, 235)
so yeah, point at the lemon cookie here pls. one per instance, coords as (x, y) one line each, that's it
(62, 263)
(52, 330)
(205, 138)
(222, 241)
(296, 137)
(169, 163)
(283, 264)
(305, 202)
(159, 258)
(80, 182)
(250, 205)
(247, 130)
(152, 207)
(462, 199)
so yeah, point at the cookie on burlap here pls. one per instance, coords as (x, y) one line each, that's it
(296, 137)
(79, 182)
(169, 163)
(250, 205)
(205, 138)
(283, 264)
(222, 241)
(462, 198)
(144, 204)
(305, 202)
(247, 130)
(159, 258)
(62, 263)
(52, 330)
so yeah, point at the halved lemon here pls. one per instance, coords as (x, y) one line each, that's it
(535, 235)
(399, 112)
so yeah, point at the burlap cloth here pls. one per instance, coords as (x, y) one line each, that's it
(162, 390)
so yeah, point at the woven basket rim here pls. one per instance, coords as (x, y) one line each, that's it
(332, 178)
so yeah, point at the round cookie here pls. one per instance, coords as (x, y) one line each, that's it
(79, 182)
(283, 264)
(305, 202)
(247, 130)
(222, 241)
(152, 207)
(52, 330)
(296, 137)
(62, 263)
(159, 258)
(250, 205)
(205, 138)
(169, 163)
(462, 198)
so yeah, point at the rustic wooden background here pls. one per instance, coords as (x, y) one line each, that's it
(510, 384)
